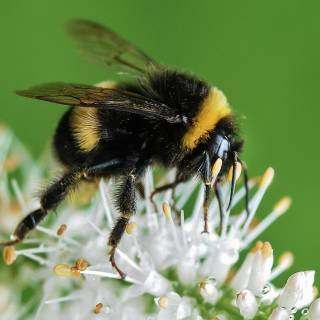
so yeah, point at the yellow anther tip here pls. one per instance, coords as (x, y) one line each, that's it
(81, 264)
(61, 230)
(9, 255)
(267, 250)
(98, 308)
(286, 259)
(166, 209)
(257, 247)
(282, 205)
(202, 284)
(131, 228)
(267, 177)
(64, 270)
(163, 302)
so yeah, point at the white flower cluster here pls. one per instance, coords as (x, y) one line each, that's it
(173, 270)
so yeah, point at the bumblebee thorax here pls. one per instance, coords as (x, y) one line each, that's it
(212, 109)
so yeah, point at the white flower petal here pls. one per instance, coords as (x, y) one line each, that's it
(280, 314)
(314, 310)
(240, 280)
(156, 284)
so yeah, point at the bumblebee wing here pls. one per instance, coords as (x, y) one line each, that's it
(103, 45)
(97, 97)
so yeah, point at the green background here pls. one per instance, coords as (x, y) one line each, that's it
(263, 54)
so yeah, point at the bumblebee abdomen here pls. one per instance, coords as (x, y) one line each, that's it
(76, 136)
(85, 128)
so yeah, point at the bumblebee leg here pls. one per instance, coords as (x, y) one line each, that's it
(54, 195)
(162, 189)
(104, 168)
(206, 207)
(218, 193)
(127, 204)
(206, 175)
(49, 200)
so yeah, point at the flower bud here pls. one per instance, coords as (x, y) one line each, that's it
(261, 269)
(208, 291)
(247, 304)
(298, 290)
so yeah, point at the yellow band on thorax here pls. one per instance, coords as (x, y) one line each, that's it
(214, 108)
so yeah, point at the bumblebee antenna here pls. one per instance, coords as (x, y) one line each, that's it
(246, 185)
(234, 179)
(217, 189)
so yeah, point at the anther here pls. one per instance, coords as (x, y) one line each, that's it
(166, 209)
(267, 178)
(202, 284)
(9, 255)
(98, 308)
(163, 302)
(286, 259)
(282, 205)
(131, 228)
(61, 230)
(257, 247)
(81, 264)
(64, 270)
(266, 250)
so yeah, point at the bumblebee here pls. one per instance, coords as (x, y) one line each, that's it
(161, 117)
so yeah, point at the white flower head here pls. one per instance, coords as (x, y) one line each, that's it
(173, 270)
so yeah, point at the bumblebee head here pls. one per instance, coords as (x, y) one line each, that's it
(223, 151)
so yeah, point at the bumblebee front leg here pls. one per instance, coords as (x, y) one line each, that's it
(206, 207)
(206, 175)
(127, 205)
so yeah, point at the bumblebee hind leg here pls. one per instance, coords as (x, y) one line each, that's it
(49, 200)
(55, 194)
(126, 202)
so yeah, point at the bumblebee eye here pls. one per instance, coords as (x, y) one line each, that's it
(220, 147)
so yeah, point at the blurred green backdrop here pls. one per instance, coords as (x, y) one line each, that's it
(264, 55)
